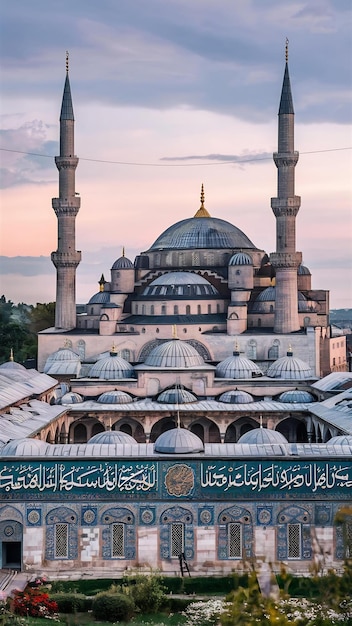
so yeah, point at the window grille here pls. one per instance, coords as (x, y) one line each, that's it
(118, 532)
(177, 539)
(293, 541)
(348, 539)
(61, 541)
(235, 541)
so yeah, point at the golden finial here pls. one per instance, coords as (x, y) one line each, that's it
(67, 56)
(202, 212)
(113, 349)
(261, 421)
(67, 343)
(174, 331)
(286, 50)
(102, 282)
(11, 355)
(123, 250)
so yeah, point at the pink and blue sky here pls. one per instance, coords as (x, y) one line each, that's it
(167, 96)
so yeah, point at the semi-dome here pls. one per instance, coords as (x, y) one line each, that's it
(180, 284)
(111, 436)
(303, 271)
(71, 398)
(115, 396)
(235, 396)
(178, 441)
(296, 395)
(174, 353)
(100, 298)
(24, 447)
(237, 366)
(201, 232)
(111, 367)
(241, 258)
(268, 295)
(262, 436)
(290, 368)
(176, 396)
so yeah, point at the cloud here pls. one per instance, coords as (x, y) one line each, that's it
(243, 159)
(26, 150)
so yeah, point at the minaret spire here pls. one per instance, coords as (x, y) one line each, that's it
(285, 208)
(66, 207)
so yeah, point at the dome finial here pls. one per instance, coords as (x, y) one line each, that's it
(286, 50)
(123, 251)
(11, 355)
(289, 351)
(67, 58)
(102, 282)
(113, 351)
(202, 212)
(236, 351)
(174, 331)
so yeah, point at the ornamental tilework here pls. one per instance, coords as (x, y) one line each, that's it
(89, 515)
(34, 516)
(62, 515)
(118, 515)
(176, 514)
(242, 516)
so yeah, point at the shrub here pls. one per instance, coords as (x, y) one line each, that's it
(72, 602)
(112, 607)
(147, 592)
(34, 603)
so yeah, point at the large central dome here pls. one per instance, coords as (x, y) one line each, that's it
(202, 232)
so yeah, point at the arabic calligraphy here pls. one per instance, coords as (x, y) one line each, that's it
(260, 477)
(61, 477)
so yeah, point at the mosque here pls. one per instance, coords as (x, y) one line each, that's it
(191, 409)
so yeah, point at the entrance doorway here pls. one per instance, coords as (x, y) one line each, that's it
(11, 555)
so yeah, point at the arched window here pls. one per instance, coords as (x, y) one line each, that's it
(294, 534)
(118, 535)
(252, 349)
(176, 533)
(61, 534)
(199, 309)
(163, 309)
(209, 308)
(235, 533)
(152, 309)
(175, 309)
(188, 309)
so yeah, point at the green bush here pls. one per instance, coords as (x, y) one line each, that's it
(147, 591)
(176, 605)
(112, 607)
(72, 602)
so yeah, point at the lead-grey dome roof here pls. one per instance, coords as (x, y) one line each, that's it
(237, 366)
(122, 263)
(111, 367)
(201, 232)
(176, 396)
(262, 436)
(241, 258)
(236, 396)
(178, 441)
(296, 395)
(115, 396)
(180, 284)
(174, 353)
(100, 298)
(24, 447)
(290, 368)
(111, 436)
(71, 398)
(269, 294)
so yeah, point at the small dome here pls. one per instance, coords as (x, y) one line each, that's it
(24, 447)
(100, 298)
(180, 284)
(340, 440)
(111, 367)
(303, 271)
(237, 366)
(114, 397)
(241, 258)
(236, 397)
(262, 436)
(176, 396)
(71, 398)
(111, 436)
(290, 368)
(64, 361)
(296, 395)
(64, 354)
(122, 263)
(178, 441)
(174, 353)
(12, 365)
(202, 232)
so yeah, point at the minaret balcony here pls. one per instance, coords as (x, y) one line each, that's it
(66, 207)
(288, 260)
(66, 259)
(66, 162)
(286, 159)
(285, 206)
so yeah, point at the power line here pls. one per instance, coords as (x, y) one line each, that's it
(131, 163)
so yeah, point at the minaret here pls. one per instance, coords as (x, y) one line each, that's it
(66, 206)
(285, 208)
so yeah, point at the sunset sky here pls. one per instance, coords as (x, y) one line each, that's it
(168, 95)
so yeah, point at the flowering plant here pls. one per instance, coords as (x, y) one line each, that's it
(34, 603)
